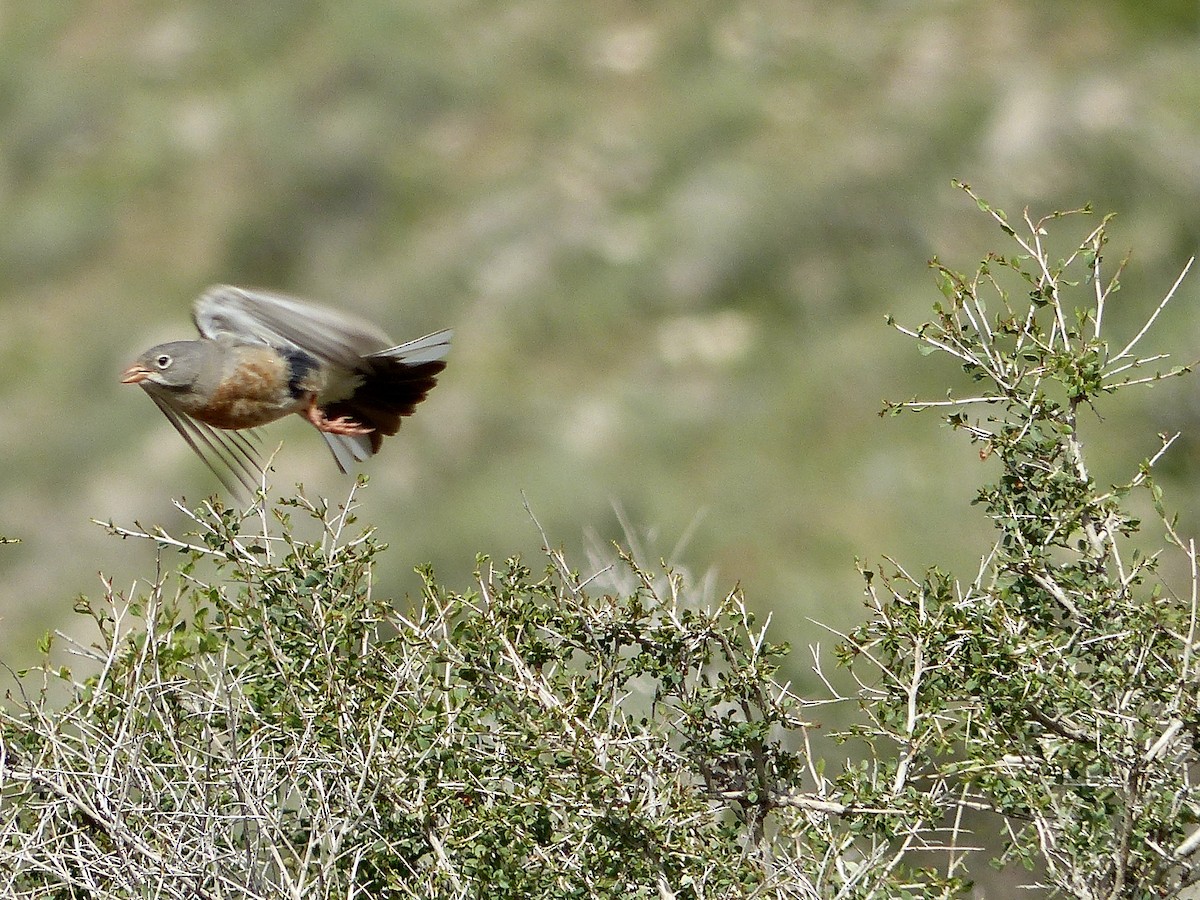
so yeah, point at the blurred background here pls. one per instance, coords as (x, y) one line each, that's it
(666, 234)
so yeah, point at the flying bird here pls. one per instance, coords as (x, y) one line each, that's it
(262, 356)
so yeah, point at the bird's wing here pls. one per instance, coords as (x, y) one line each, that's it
(230, 455)
(224, 311)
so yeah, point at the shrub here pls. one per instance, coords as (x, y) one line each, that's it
(257, 723)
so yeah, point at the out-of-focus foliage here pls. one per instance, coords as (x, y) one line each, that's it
(667, 236)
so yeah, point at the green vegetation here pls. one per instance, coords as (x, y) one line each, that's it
(665, 233)
(260, 722)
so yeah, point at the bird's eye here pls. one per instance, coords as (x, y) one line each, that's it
(163, 361)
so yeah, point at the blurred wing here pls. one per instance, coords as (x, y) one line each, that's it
(229, 455)
(275, 319)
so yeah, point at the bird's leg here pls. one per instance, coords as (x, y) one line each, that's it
(340, 425)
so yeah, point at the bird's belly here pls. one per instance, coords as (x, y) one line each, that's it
(255, 393)
(246, 412)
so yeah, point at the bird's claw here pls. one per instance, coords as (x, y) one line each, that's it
(340, 425)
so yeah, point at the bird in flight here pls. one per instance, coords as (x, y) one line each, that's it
(262, 356)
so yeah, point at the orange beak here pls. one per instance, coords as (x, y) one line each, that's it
(135, 374)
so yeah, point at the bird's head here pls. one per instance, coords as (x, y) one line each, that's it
(174, 366)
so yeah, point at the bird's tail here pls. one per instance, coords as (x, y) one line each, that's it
(395, 380)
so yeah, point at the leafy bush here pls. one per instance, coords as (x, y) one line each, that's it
(256, 723)
(271, 728)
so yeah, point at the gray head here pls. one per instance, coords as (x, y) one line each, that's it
(175, 366)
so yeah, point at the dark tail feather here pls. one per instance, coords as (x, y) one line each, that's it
(390, 391)
(394, 382)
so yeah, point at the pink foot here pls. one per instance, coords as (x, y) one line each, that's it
(340, 425)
